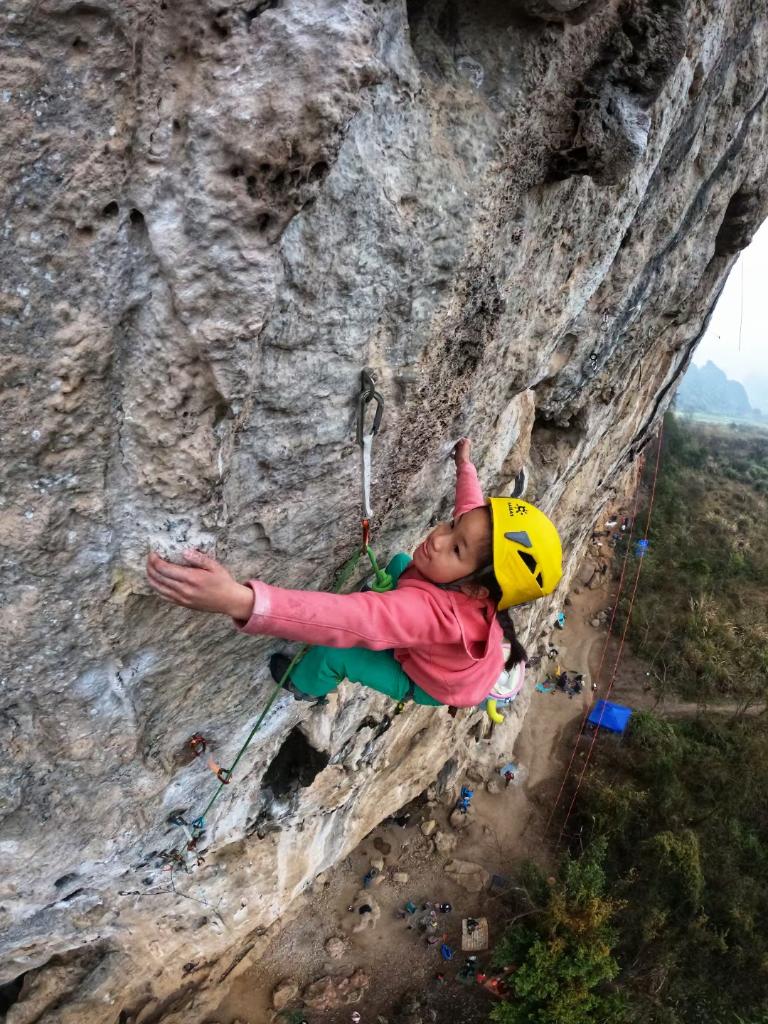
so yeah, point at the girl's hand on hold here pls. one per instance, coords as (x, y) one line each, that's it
(461, 451)
(203, 584)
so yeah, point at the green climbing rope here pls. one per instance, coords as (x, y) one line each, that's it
(382, 583)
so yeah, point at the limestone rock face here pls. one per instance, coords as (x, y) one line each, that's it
(215, 214)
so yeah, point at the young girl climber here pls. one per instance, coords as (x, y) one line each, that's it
(436, 638)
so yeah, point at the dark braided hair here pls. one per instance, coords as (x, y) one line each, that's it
(486, 578)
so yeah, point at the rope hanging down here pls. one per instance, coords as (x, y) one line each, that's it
(382, 582)
(599, 674)
(621, 643)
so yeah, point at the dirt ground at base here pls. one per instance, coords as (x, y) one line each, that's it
(508, 827)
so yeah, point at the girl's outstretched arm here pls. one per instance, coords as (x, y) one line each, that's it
(401, 618)
(406, 617)
(468, 492)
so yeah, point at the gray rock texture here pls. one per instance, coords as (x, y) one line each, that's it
(519, 213)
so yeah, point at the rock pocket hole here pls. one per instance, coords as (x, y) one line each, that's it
(447, 776)
(295, 766)
(9, 994)
(255, 11)
(318, 171)
(110, 210)
(65, 880)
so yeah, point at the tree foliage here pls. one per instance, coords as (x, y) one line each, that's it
(561, 963)
(689, 858)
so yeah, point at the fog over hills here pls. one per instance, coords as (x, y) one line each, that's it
(706, 389)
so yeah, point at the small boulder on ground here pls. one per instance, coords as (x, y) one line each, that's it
(377, 863)
(336, 947)
(428, 827)
(284, 993)
(329, 993)
(461, 819)
(470, 876)
(400, 877)
(445, 842)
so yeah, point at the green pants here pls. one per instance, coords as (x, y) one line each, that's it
(322, 668)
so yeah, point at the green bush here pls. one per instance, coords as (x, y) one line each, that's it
(561, 959)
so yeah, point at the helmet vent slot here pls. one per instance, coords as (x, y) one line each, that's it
(530, 562)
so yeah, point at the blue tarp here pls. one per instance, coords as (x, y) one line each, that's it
(613, 717)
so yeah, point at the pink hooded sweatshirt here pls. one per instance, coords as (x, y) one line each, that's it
(447, 643)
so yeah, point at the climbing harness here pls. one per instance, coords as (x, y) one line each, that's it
(383, 582)
(505, 692)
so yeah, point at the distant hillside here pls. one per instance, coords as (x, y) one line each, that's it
(706, 389)
(700, 607)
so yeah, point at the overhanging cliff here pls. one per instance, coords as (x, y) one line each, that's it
(519, 213)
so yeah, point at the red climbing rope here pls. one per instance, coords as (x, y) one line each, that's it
(598, 675)
(621, 643)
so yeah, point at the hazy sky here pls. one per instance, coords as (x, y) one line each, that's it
(721, 342)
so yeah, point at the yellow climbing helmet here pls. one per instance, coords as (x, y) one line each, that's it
(527, 553)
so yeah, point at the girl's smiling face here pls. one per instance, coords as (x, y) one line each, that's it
(456, 549)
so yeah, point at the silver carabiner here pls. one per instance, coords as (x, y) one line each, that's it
(368, 393)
